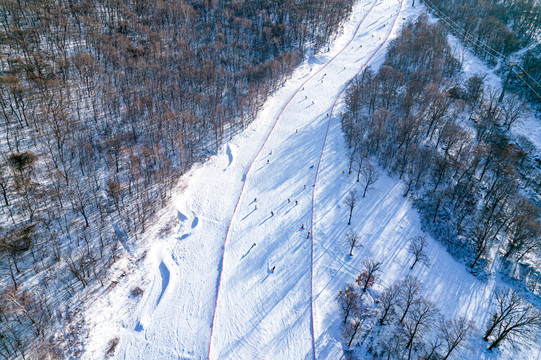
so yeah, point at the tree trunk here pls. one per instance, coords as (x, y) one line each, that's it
(4, 192)
(449, 352)
(12, 275)
(475, 261)
(404, 315)
(490, 330)
(496, 342)
(409, 187)
(382, 319)
(355, 329)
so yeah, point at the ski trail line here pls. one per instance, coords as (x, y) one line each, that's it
(319, 163)
(246, 178)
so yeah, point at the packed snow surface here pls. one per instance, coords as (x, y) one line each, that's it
(241, 265)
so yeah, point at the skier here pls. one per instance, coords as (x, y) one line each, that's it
(295, 202)
(270, 152)
(272, 270)
(272, 214)
(255, 199)
(304, 187)
(308, 237)
(302, 227)
(312, 102)
(267, 161)
(255, 208)
(253, 244)
(288, 201)
(305, 97)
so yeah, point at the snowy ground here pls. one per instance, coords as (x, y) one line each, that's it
(529, 124)
(259, 313)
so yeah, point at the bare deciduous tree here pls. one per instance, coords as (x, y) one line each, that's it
(524, 229)
(512, 109)
(369, 175)
(367, 277)
(360, 160)
(417, 249)
(349, 301)
(513, 320)
(352, 238)
(420, 319)
(351, 329)
(455, 334)
(409, 294)
(351, 201)
(387, 301)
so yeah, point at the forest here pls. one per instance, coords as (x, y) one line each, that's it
(495, 31)
(103, 106)
(474, 183)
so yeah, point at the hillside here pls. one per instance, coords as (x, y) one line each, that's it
(184, 180)
(239, 277)
(103, 105)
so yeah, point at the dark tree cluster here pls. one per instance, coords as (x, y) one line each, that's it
(469, 185)
(529, 83)
(105, 103)
(504, 26)
(494, 29)
(475, 187)
(399, 322)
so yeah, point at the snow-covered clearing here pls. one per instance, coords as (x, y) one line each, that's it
(223, 241)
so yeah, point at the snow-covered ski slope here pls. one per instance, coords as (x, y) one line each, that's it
(212, 292)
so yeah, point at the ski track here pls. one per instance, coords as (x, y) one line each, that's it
(245, 178)
(330, 116)
(257, 321)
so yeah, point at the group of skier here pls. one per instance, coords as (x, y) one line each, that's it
(272, 214)
(288, 200)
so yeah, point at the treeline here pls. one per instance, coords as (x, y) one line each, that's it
(400, 322)
(103, 105)
(505, 26)
(495, 28)
(448, 141)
